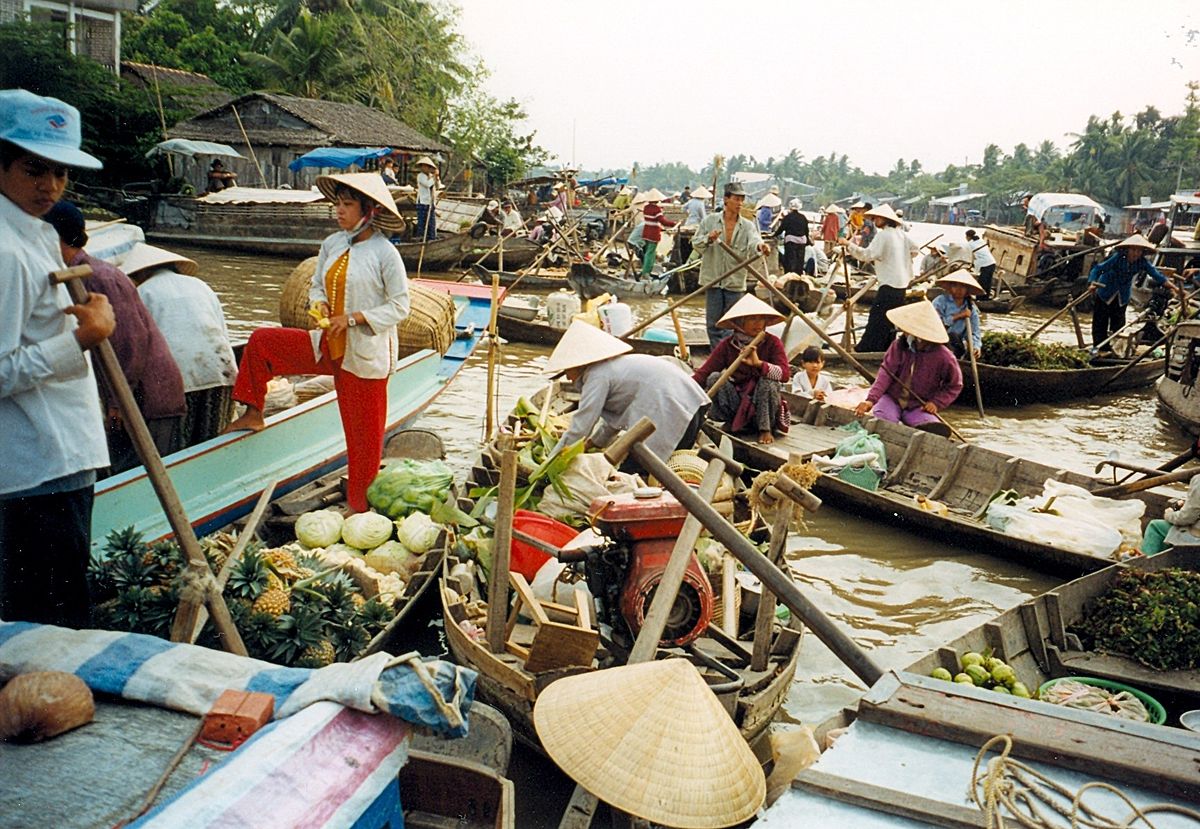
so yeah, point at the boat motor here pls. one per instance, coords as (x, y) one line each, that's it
(641, 529)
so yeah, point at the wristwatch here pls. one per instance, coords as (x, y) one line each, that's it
(351, 321)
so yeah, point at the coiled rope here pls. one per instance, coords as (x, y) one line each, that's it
(1036, 802)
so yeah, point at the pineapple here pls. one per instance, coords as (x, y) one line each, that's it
(282, 562)
(319, 655)
(275, 602)
(298, 631)
(249, 578)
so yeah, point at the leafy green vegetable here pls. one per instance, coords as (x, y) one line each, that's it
(1018, 351)
(408, 485)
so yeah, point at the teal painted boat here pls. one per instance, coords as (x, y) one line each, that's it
(218, 481)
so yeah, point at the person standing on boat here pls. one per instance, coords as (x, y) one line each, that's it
(653, 223)
(891, 251)
(427, 184)
(512, 221)
(750, 399)
(741, 235)
(984, 262)
(695, 210)
(617, 389)
(189, 315)
(831, 227)
(956, 308)
(1111, 282)
(920, 359)
(793, 227)
(50, 412)
(359, 293)
(140, 347)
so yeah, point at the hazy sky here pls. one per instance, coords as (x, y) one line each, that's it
(610, 82)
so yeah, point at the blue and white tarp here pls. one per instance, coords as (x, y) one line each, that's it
(338, 157)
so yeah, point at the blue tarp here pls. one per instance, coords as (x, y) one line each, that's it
(338, 157)
(600, 182)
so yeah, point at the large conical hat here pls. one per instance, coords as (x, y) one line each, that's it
(921, 320)
(750, 306)
(884, 211)
(425, 161)
(582, 345)
(143, 257)
(653, 194)
(770, 200)
(1137, 240)
(702, 192)
(373, 187)
(652, 740)
(962, 278)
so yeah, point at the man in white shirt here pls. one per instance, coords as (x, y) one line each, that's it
(985, 262)
(427, 182)
(513, 223)
(50, 412)
(891, 251)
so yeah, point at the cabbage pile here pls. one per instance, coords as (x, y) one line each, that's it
(406, 485)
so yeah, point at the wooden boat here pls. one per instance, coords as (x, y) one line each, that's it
(518, 251)
(437, 792)
(538, 332)
(441, 254)
(544, 281)
(751, 697)
(591, 282)
(1177, 388)
(219, 481)
(962, 477)
(873, 767)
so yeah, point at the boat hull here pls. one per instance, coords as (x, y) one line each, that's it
(591, 283)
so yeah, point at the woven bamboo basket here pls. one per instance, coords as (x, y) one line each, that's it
(430, 323)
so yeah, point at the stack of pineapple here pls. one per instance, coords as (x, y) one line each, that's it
(288, 609)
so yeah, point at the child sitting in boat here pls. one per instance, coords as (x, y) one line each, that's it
(750, 399)
(956, 307)
(811, 380)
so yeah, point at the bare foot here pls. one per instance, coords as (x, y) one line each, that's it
(251, 421)
(766, 437)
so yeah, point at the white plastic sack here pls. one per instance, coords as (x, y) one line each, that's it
(589, 476)
(1076, 502)
(1045, 528)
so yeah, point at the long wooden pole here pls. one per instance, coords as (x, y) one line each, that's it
(723, 378)
(493, 356)
(261, 176)
(704, 286)
(501, 547)
(431, 216)
(974, 365)
(1076, 301)
(199, 585)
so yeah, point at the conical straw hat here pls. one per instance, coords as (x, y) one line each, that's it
(702, 192)
(424, 161)
(921, 320)
(961, 278)
(750, 306)
(582, 345)
(1137, 240)
(770, 200)
(652, 740)
(143, 257)
(373, 187)
(653, 194)
(884, 211)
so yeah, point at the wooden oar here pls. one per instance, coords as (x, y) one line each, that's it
(974, 366)
(1076, 301)
(1141, 318)
(1124, 369)
(1121, 490)
(737, 362)
(683, 346)
(431, 216)
(704, 286)
(848, 330)
(199, 588)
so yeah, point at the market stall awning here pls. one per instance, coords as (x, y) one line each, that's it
(183, 146)
(949, 201)
(1042, 202)
(338, 157)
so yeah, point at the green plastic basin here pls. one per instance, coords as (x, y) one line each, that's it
(1158, 714)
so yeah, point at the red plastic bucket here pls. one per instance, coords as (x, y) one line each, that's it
(527, 560)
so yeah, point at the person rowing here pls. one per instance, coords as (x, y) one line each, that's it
(956, 307)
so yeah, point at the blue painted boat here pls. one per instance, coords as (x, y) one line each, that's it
(218, 481)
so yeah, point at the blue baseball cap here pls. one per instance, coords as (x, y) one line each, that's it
(46, 127)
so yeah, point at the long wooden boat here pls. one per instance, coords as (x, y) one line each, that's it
(961, 476)
(906, 749)
(437, 792)
(542, 281)
(506, 682)
(518, 251)
(590, 283)
(1177, 396)
(219, 480)
(538, 332)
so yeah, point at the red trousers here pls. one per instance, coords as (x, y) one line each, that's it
(272, 352)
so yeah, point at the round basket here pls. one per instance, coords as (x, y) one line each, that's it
(689, 466)
(293, 301)
(1158, 714)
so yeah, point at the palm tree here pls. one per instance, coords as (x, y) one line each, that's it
(1131, 172)
(306, 61)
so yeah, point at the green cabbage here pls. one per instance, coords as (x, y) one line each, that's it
(366, 530)
(393, 557)
(407, 485)
(417, 532)
(319, 528)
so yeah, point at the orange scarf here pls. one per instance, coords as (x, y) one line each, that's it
(335, 289)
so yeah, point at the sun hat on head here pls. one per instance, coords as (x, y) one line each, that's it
(775, 188)
(68, 220)
(388, 218)
(961, 278)
(794, 204)
(921, 320)
(425, 161)
(653, 194)
(143, 257)
(833, 208)
(750, 306)
(619, 733)
(702, 192)
(770, 200)
(1137, 240)
(884, 211)
(734, 188)
(492, 204)
(46, 127)
(858, 205)
(582, 345)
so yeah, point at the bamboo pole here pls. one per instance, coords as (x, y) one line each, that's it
(974, 366)
(1076, 301)
(735, 365)
(704, 286)
(501, 547)
(493, 357)
(261, 176)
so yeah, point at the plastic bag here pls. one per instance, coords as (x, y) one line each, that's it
(861, 442)
(1125, 516)
(1070, 518)
(587, 477)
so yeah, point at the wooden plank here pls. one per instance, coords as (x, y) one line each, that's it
(913, 449)
(764, 619)
(1034, 634)
(561, 646)
(1006, 478)
(890, 801)
(956, 465)
(1078, 740)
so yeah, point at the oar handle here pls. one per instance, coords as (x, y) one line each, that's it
(1076, 301)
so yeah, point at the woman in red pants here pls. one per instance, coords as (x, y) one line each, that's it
(359, 293)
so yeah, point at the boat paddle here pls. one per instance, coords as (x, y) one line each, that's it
(1121, 490)
(704, 286)
(1076, 301)
(970, 338)
(198, 586)
(431, 216)
(1141, 318)
(723, 378)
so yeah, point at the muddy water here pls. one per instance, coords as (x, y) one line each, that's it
(897, 593)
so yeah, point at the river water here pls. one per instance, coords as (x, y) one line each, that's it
(898, 594)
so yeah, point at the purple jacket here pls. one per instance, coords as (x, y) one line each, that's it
(934, 375)
(141, 350)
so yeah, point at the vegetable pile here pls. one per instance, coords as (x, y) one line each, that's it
(983, 670)
(1151, 617)
(1017, 351)
(1072, 694)
(408, 485)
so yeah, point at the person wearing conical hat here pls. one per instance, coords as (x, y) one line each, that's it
(750, 400)
(1111, 283)
(695, 208)
(428, 180)
(655, 221)
(956, 307)
(617, 389)
(931, 377)
(891, 251)
(359, 294)
(831, 227)
(793, 227)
